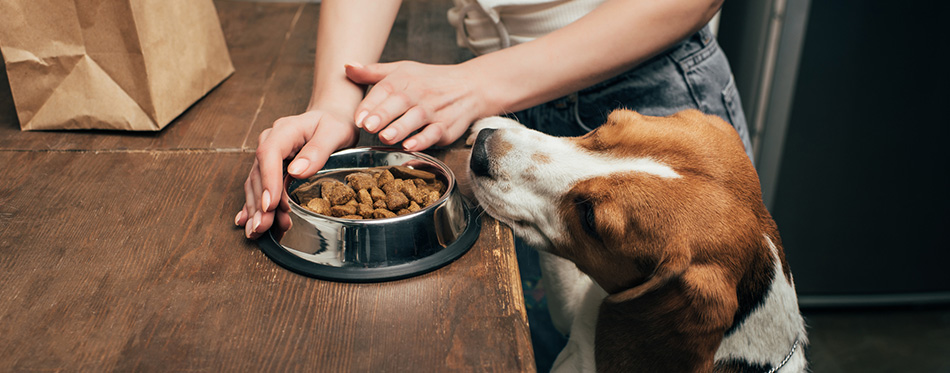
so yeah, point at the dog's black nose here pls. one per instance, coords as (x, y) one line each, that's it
(480, 164)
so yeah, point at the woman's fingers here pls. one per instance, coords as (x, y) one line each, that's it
(411, 120)
(281, 142)
(385, 102)
(283, 221)
(251, 191)
(257, 221)
(371, 74)
(315, 143)
(311, 158)
(330, 136)
(430, 135)
(381, 106)
(264, 185)
(250, 198)
(439, 101)
(284, 202)
(240, 218)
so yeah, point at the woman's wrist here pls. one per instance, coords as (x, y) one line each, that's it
(507, 87)
(340, 101)
(491, 93)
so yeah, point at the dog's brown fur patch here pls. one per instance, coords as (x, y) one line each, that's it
(683, 259)
(539, 158)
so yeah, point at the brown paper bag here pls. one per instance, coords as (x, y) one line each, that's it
(110, 64)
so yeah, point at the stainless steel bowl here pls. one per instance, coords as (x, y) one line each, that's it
(377, 249)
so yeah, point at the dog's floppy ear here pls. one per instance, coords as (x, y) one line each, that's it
(672, 322)
(672, 266)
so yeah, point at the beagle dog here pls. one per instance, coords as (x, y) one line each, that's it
(657, 252)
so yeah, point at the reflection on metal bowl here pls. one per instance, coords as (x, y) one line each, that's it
(376, 249)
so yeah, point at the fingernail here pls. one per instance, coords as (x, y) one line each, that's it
(265, 199)
(237, 218)
(409, 144)
(360, 117)
(388, 134)
(247, 229)
(371, 123)
(257, 220)
(354, 64)
(298, 166)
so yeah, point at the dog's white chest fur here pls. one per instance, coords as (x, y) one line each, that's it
(573, 300)
(777, 316)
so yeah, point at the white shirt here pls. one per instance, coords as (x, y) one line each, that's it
(485, 26)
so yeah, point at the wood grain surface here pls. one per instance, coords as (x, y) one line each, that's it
(255, 34)
(118, 251)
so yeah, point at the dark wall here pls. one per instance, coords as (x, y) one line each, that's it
(862, 199)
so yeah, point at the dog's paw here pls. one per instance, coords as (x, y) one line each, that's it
(490, 122)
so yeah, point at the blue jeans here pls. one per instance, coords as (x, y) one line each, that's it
(693, 74)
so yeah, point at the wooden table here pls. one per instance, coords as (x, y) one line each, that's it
(118, 251)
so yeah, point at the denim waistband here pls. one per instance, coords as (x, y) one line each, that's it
(693, 49)
(692, 44)
(685, 49)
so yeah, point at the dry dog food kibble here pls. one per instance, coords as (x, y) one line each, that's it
(373, 193)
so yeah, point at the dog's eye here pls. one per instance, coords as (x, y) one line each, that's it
(587, 216)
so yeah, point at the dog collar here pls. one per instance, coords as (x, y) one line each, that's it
(787, 357)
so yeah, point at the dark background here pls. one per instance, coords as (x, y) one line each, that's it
(861, 198)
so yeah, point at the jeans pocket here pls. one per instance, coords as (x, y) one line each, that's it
(705, 73)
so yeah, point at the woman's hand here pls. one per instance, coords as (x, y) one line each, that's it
(440, 100)
(309, 138)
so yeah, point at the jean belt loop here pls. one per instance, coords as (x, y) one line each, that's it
(706, 35)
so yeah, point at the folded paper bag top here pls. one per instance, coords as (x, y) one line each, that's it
(118, 65)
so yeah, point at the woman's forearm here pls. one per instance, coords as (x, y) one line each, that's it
(611, 39)
(349, 31)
